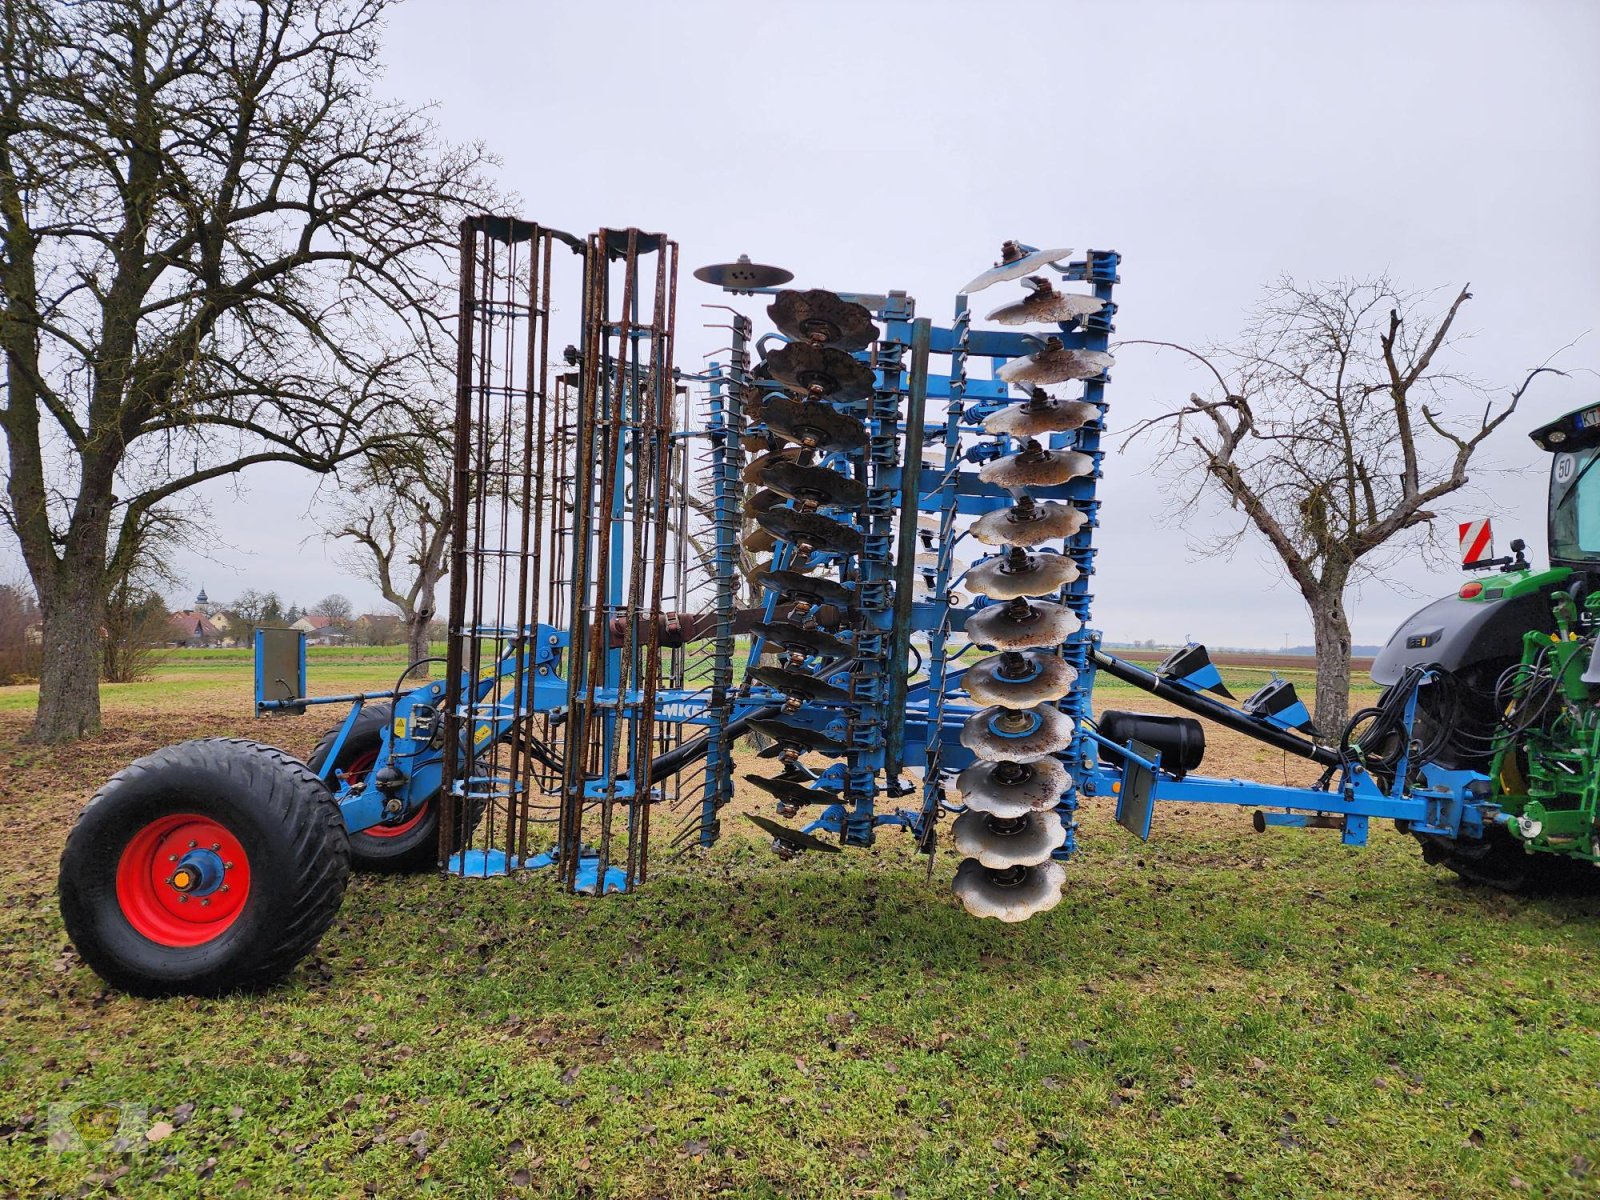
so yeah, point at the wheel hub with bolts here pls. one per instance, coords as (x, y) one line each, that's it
(183, 879)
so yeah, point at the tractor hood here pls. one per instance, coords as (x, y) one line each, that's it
(1484, 622)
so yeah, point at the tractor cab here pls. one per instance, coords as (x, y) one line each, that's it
(1574, 505)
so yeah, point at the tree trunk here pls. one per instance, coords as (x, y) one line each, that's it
(69, 680)
(417, 622)
(421, 613)
(72, 607)
(1331, 630)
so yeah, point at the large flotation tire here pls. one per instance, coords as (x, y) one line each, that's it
(209, 866)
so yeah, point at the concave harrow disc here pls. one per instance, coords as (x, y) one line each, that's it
(1001, 842)
(1012, 789)
(1028, 523)
(799, 684)
(743, 275)
(811, 529)
(1014, 264)
(1019, 573)
(790, 791)
(1035, 466)
(1019, 679)
(797, 637)
(1022, 625)
(1046, 305)
(800, 736)
(804, 367)
(818, 317)
(1022, 735)
(816, 484)
(813, 424)
(1041, 414)
(1056, 364)
(1009, 895)
(792, 838)
(802, 587)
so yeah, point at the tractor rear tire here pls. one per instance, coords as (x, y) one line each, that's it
(268, 831)
(411, 846)
(1500, 862)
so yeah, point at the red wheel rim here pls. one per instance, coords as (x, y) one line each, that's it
(406, 826)
(357, 771)
(163, 912)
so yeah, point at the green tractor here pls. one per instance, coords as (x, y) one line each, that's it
(1514, 692)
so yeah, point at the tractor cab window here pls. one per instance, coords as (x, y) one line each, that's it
(1575, 505)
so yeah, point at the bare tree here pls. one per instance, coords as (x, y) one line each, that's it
(136, 619)
(1334, 422)
(214, 245)
(396, 515)
(379, 629)
(136, 630)
(19, 619)
(336, 609)
(255, 610)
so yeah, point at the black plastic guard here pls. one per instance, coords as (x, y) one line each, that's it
(1455, 633)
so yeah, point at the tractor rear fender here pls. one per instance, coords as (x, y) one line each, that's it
(1455, 634)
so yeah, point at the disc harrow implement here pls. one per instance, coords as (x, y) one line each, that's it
(853, 547)
(858, 542)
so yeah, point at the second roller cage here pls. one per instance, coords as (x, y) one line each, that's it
(563, 532)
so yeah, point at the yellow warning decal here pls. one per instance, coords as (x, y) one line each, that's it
(481, 734)
(399, 727)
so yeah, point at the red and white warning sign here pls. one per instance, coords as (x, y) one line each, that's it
(1477, 540)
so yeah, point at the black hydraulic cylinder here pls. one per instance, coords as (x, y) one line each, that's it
(1213, 710)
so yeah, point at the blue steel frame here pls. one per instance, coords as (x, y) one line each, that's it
(409, 741)
(1450, 804)
(1422, 798)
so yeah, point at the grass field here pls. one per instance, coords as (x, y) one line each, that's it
(1212, 1014)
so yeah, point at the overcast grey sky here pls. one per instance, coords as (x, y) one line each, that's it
(1216, 145)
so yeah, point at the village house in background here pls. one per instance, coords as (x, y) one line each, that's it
(208, 625)
(202, 625)
(320, 630)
